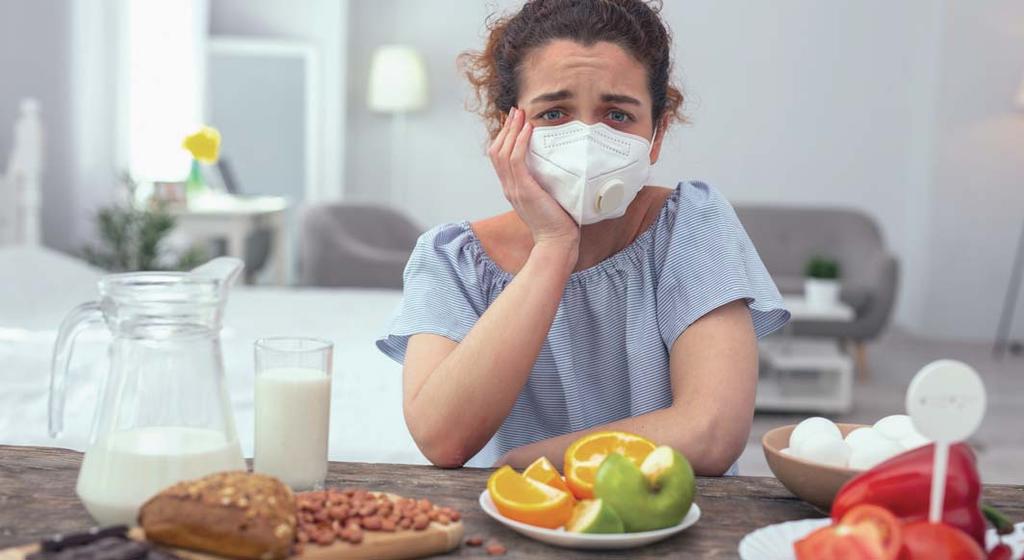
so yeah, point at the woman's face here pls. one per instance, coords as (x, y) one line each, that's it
(566, 81)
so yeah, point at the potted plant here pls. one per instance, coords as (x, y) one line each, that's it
(821, 285)
(135, 237)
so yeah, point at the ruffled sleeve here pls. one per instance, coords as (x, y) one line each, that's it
(709, 261)
(442, 291)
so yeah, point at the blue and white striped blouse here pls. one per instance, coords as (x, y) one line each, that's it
(606, 356)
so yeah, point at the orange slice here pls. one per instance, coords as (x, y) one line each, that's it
(542, 470)
(585, 455)
(528, 500)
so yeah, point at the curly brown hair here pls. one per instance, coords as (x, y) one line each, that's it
(634, 25)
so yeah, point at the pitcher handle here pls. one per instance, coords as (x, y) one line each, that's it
(81, 318)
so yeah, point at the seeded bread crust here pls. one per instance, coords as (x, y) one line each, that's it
(235, 514)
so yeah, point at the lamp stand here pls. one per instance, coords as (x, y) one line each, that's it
(398, 130)
(1010, 303)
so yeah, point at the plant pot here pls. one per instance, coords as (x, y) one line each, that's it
(820, 293)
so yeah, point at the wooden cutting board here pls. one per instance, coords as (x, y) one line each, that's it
(377, 545)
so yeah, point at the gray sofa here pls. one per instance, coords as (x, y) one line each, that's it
(353, 245)
(786, 237)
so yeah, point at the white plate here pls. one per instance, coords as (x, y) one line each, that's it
(775, 542)
(563, 538)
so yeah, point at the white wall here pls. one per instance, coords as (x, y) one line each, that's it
(807, 103)
(976, 176)
(446, 176)
(62, 52)
(800, 102)
(41, 29)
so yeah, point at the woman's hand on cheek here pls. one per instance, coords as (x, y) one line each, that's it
(550, 224)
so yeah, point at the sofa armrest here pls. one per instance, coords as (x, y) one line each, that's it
(884, 285)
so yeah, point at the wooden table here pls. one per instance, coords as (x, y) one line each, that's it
(37, 498)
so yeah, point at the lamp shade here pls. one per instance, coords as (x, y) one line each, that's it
(398, 80)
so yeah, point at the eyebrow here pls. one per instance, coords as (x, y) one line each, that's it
(619, 98)
(564, 94)
(559, 95)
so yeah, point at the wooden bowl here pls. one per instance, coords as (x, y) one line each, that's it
(814, 483)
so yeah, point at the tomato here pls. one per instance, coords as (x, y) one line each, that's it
(1001, 551)
(828, 543)
(937, 541)
(884, 523)
(866, 532)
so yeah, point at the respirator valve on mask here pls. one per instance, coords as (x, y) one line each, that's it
(611, 196)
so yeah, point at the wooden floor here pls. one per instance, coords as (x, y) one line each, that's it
(893, 361)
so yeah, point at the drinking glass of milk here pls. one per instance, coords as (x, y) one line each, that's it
(293, 410)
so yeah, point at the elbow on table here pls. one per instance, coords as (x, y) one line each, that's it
(443, 454)
(718, 451)
(716, 461)
(442, 447)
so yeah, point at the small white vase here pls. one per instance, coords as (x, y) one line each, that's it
(821, 294)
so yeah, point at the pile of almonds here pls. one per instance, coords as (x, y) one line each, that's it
(329, 515)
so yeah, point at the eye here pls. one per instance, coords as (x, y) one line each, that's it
(618, 116)
(552, 115)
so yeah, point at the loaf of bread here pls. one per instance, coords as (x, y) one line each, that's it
(235, 514)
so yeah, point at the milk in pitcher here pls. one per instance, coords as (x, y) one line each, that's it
(126, 468)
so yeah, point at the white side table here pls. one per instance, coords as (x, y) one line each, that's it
(233, 218)
(806, 373)
(800, 310)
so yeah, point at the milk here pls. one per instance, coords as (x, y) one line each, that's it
(293, 412)
(126, 468)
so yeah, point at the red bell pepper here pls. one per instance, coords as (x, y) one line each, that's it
(902, 485)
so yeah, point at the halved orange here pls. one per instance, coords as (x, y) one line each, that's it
(543, 471)
(528, 500)
(585, 455)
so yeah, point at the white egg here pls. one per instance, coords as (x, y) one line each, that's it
(913, 441)
(872, 448)
(813, 426)
(857, 436)
(895, 427)
(865, 440)
(823, 448)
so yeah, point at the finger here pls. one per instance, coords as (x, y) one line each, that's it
(499, 139)
(501, 159)
(510, 136)
(517, 159)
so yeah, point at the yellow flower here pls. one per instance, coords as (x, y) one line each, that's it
(204, 145)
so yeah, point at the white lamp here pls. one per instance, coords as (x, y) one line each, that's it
(398, 80)
(398, 85)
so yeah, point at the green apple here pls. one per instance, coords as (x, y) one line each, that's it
(653, 496)
(594, 516)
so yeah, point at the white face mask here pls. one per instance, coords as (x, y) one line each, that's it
(593, 171)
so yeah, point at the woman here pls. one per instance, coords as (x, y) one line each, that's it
(597, 303)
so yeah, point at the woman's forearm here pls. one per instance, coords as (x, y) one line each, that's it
(710, 446)
(714, 382)
(453, 410)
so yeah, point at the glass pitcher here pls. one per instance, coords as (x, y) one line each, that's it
(164, 414)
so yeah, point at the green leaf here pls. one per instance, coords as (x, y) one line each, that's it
(132, 239)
